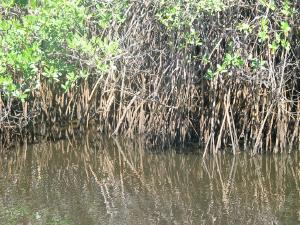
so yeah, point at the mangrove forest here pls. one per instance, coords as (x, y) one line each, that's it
(223, 74)
(149, 112)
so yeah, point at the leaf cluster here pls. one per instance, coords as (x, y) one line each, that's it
(60, 42)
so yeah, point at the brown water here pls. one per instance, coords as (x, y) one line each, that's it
(105, 181)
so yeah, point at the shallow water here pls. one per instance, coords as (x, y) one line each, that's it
(107, 181)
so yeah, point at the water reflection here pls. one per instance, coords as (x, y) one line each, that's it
(99, 180)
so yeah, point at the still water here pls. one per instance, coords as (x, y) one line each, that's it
(99, 180)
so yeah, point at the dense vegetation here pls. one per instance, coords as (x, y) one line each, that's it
(223, 73)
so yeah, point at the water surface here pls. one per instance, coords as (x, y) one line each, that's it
(98, 180)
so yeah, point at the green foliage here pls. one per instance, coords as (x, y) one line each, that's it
(55, 41)
(245, 27)
(285, 28)
(271, 31)
(231, 61)
(180, 16)
(11, 89)
(263, 33)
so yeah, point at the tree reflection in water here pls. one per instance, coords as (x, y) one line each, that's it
(100, 180)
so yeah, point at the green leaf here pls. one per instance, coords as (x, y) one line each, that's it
(2, 69)
(21, 2)
(285, 27)
(285, 44)
(263, 36)
(286, 10)
(274, 46)
(245, 27)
